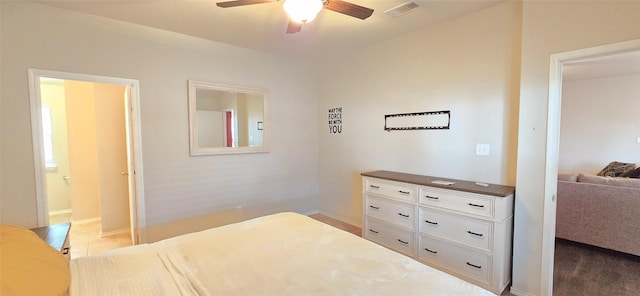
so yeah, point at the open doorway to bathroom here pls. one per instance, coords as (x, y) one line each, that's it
(86, 151)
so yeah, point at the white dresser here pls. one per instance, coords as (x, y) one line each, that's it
(463, 228)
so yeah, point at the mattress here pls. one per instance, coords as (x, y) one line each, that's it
(281, 254)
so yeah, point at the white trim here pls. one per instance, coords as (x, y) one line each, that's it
(518, 292)
(38, 149)
(60, 212)
(312, 212)
(347, 221)
(553, 143)
(85, 221)
(139, 226)
(136, 125)
(114, 232)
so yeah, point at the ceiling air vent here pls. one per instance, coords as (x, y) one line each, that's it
(402, 9)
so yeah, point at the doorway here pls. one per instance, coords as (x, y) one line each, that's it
(98, 169)
(553, 144)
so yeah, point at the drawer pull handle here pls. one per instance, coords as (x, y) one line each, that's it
(473, 265)
(406, 243)
(65, 251)
(431, 222)
(474, 233)
(374, 207)
(374, 231)
(404, 192)
(431, 251)
(403, 215)
(475, 205)
(431, 197)
(374, 186)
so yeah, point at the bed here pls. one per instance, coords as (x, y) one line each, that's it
(280, 254)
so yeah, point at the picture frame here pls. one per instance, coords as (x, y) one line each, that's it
(431, 120)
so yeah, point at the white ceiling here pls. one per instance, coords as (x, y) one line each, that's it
(627, 63)
(262, 26)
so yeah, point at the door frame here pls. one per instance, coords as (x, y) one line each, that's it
(553, 145)
(136, 201)
(229, 128)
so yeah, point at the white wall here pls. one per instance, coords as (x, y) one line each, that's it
(600, 123)
(551, 27)
(468, 65)
(83, 149)
(177, 187)
(58, 191)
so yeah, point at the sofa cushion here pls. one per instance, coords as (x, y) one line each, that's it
(624, 182)
(632, 174)
(616, 169)
(568, 177)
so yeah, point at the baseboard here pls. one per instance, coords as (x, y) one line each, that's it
(309, 213)
(84, 221)
(518, 292)
(60, 212)
(358, 224)
(114, 232)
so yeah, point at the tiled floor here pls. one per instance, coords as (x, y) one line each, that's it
(84, 239)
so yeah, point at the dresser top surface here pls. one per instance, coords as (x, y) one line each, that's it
(461, 185)
(55, 235)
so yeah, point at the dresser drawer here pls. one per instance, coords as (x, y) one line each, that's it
(390, 236)
(402, 191)
(66, 249)
(465, 202)
(474, 265)
(475, 233)
(392, 211)
(57, 236)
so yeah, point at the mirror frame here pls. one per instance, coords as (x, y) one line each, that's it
(194, 150)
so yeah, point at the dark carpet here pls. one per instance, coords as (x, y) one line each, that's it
(587, 270)
(584, 270)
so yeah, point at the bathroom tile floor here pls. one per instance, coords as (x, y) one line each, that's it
(84, 239)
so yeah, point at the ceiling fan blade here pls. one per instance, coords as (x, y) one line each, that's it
(228, 4)
(349, 9)
(293, 27)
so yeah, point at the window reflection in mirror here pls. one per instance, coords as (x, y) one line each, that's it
(226, 119)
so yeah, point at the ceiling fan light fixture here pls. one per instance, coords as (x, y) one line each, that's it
(302, 11)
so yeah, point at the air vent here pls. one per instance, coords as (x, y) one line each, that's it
(402, 9)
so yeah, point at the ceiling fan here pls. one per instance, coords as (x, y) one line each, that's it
(304, 11)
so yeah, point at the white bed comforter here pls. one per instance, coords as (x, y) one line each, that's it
(281, 254)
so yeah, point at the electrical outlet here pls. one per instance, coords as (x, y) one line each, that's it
(482, 149)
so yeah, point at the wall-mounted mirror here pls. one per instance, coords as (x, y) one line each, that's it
(227, 119)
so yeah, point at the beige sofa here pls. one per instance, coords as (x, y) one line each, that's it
(599, 211)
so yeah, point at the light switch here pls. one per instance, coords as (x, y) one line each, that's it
(482, 149)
